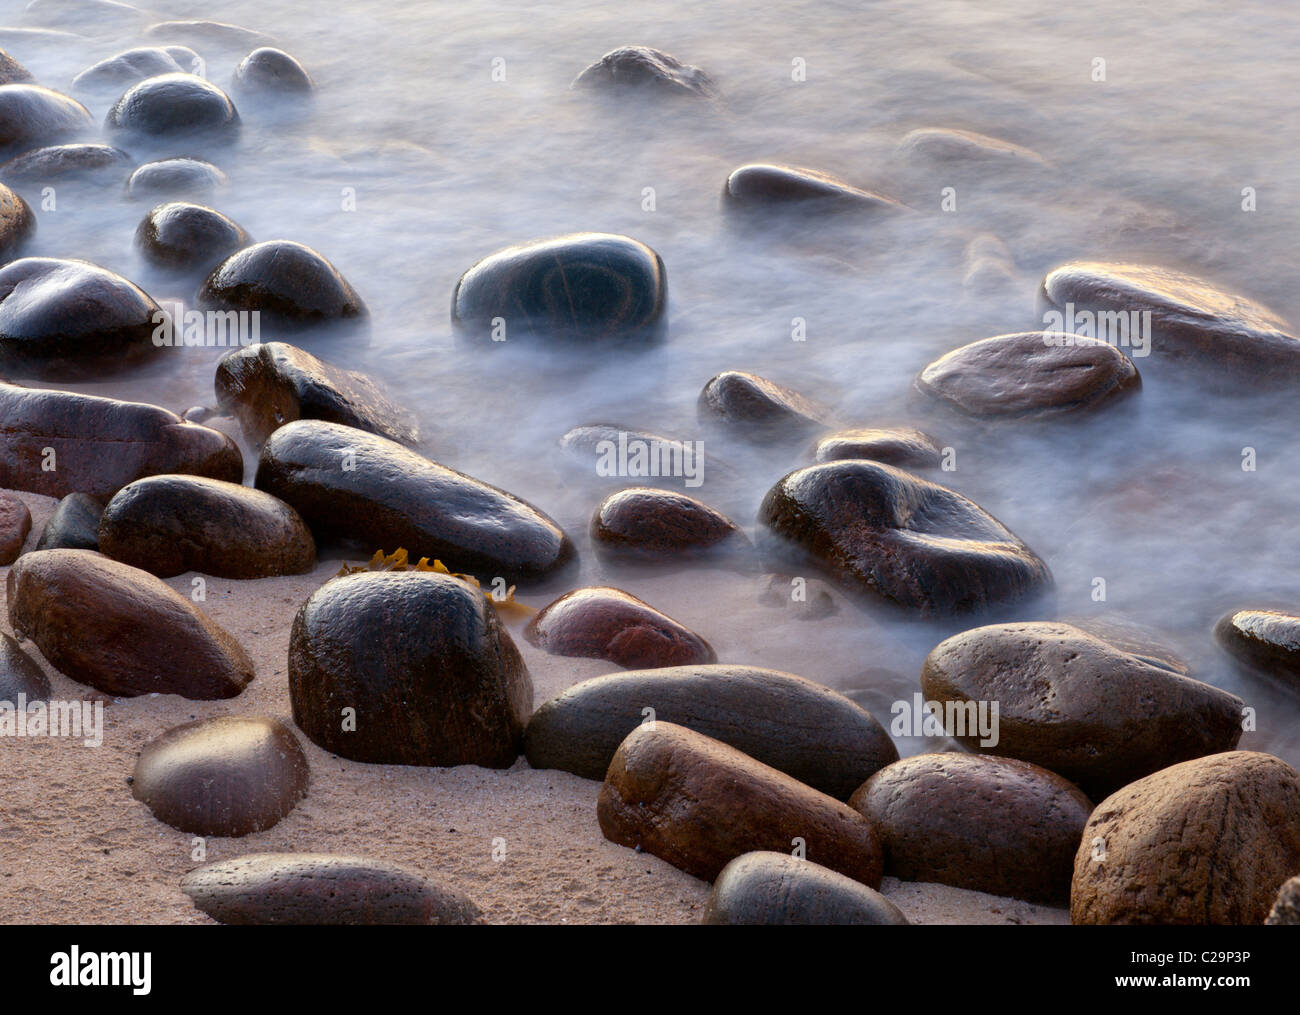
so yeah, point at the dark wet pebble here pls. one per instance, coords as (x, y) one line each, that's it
(61, 162)
(136, 65)
(30, 114)
(643, 521)
(74, 525)
(640, 67)
(760, 185)
(779, 890)
(901, 446)
(174, 105)
(284, 280)
(178, 177)
(189, 236)
(17, 223)
(1265, 639)
(758, 408)
(19, 674)
(272, 71)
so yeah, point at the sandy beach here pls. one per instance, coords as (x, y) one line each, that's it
(76, 847)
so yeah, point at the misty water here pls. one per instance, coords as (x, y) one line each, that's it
(447, 164)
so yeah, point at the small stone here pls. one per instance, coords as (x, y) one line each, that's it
(172, 105)
(11, 71)
(429, 672)
(135, 65)
(1264, 639)
(607, 623)
(17, 223)
(640, 67)
(74, 525)
(697, 804)
(948, 146)
(180, 177)
(284, 280)
(991, 825)
(777, 889)
(806, 598)
(900, 446)
(758, 408)
(19, 674)
(32, 115)
(68, 161)
(168, 525)
(15, 524)
(323, 889)
(760, 185)
(188, 236)
(1208, 841)
(120, 629)
(227, 776)
(647, 522)
(272, 71)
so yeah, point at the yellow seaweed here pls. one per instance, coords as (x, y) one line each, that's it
(399, 560)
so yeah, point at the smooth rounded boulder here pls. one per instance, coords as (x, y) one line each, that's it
(787, 722)
(1032, 373)
(900, 446)
(762, 185)
(70, 317)
(32, 115)
(1076, 704)
(174, 105)
(287, 281)
(74, 525)
(993, 825)
(912, 542)
(15, 524)
(758, 408)
(120, 629)
(168, 525)
(180, 177)
(349, 484)
(765, 889)
(68, 161)
(272, 71)
(585, 285)
(98, 445)
(17, 223)
(430, 673)
(608, 623)
(697, 804)
(1232, 338)
(135, 65)
(188, 236)
(1267, 640)
(226, 776)
(1208, 841)
(19, 674)
(273, 383)
(641, 68)
(646, 522)
(321, 889)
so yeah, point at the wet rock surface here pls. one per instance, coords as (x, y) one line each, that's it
(15, 524)
(758, 408)
(431, 672)
(1080, 706)
(646, 522)
(168, 525)
(32, 115)
(607, 623)
(272, 71)
(1208, 841)
(285, 280)
(101, 444)
(762, 185)
(120, 629)
(323, 889)
(1030, 373)
(643, 68)
(61, 162)
(174, 105)
(900, 446)
(17, 223)
(135, 65)
(227, 776)
(585, 285)
(1230, 337)
(1268, 640)
(776, 889)
(74, 525)
(697, 804)
(188, 236)
(273, 383)
(991, 825)
(179, 177)
(915, 543)
(67, 317)
(393, 498)
(11, 71)
(792, 724)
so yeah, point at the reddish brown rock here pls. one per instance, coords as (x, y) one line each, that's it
(606, 623)
(1208, 841)
(1030, 374)
(655, 523)
(226, 776)
(120, 629)
(899, 446)
(19, 673)
(698, 804)
(776, 889)
(323, 889)
(15, 524)
(987, 824)
(759, 408)
(1069, 701)
(168, 525)
(100, 444)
